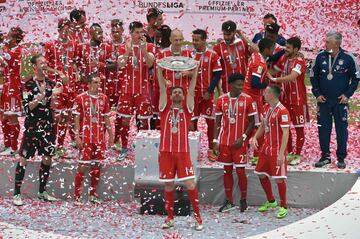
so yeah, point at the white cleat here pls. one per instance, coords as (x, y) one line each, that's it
(17, 201)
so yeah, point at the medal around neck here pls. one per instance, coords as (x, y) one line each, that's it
(177, 63)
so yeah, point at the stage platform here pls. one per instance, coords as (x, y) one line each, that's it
(316, 188)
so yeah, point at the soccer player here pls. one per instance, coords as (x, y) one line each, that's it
(208, 78)
(11, 96)
(60, 55)
(181, 79)
(91, 111)
(92, 57)
(334, 78)
(174, 158)
(155, 20)
(272, 159)
(39, 134)
(235, 120)
(255, 83)
(80, 32)
(234, 51)
(293, 69)
(268, 20)
(112, 84)
(136, 57)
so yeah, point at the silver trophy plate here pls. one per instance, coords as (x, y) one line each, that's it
(177, 63)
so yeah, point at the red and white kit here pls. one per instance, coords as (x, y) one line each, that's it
(174, 144)
(234, 59)
(275, 119)
(135, 84)
(92, 59)
(257, 67)
(11, 95)
(92, 110)
(234, 122)
(209, 62)
(294, 92)
(61, 57)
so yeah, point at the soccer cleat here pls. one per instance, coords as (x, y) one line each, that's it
(78, 202)
(123, 154)
(95, 200)
(254, 160)
(227, 206)
(243, 205)
(17, 201)
(322, 162)
(46, 197)
(73, 144)
(295, 160)
(169, 223)
(8, 152)
(267, 205)
(341, 164)
(199, 226)
(282, 212)
(211, 155)
(117, 147)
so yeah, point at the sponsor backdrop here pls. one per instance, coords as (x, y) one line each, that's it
(309, 19)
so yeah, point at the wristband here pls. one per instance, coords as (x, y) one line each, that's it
(215, 141)
(244, 136)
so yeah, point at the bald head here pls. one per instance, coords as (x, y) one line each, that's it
(176, 39)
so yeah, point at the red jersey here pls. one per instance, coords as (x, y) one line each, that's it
(61, 57)
(275, 119)
(176, 78)
(13, 58)
(209, 62)
(235, 113)
(234, 58)
(92, 59)
(257, 67)
(92, 110)
(174, 129)
(112, 84)
(277, 49)
(80, 35)
(135, 74)
(294, 91)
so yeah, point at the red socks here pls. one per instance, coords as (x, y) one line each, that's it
(300, 139)
(266, 184)
(228, 182)
(194, 199)
(6, 131)
(79, 177)
(124, 131)
(210, 131)
(242, 181)
(169, 204)
(61, 133)
(14, 135)
(94, 180)
(282, 193)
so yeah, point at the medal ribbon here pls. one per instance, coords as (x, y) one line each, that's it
(231, 108)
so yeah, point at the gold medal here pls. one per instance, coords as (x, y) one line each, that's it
(233, 65)
(232, 120)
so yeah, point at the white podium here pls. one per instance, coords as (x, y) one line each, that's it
(147, 152)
